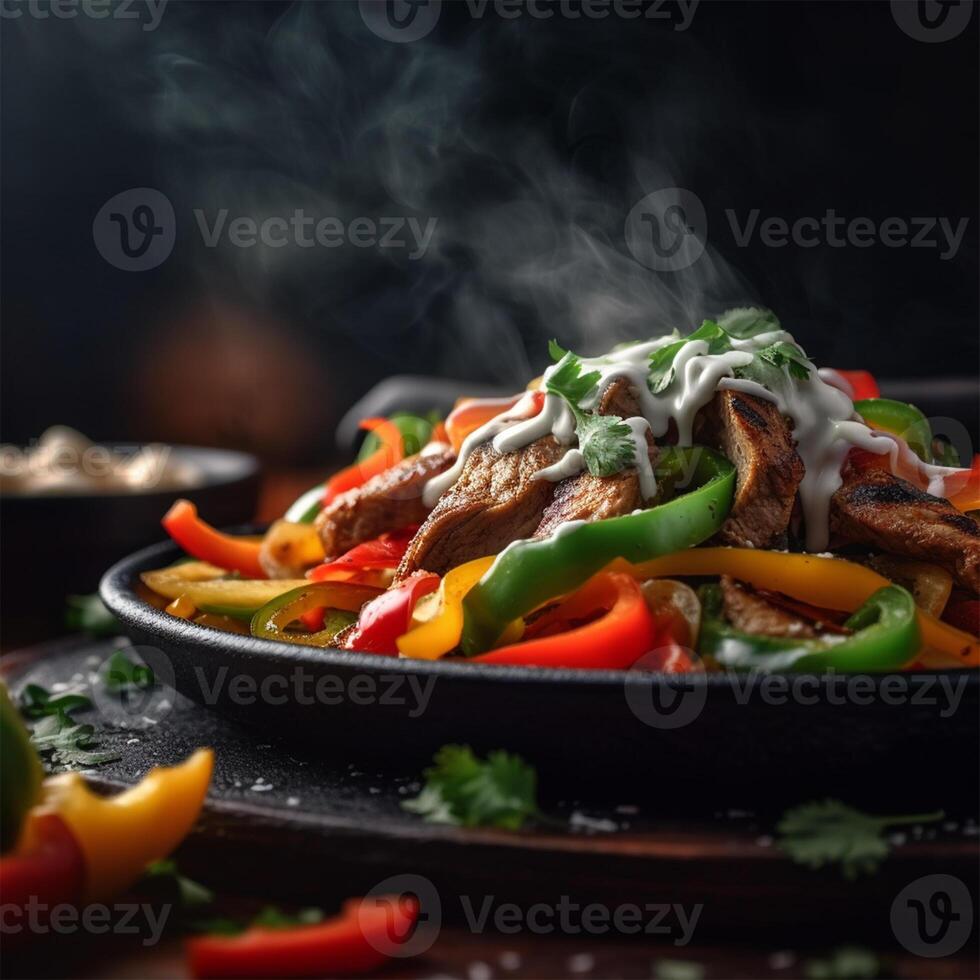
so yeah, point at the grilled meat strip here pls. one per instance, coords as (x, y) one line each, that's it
(496, 500)
(751, 613)
(585, 497)
(875, 508)
(756, 438)
(386, 502)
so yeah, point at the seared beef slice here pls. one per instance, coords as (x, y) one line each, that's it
(756, 438)
(585, 497)
(386, 502)
(751, 613)
(496, 500)
(875, 508)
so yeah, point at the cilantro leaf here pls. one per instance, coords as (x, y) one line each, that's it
(66, 741)
(122, 674)
(190, 894)
(829, 831)
(567, 379)
(272, 917)
(87, 614)
(784, 354)
(678, 970)
(845, 963)
(463, 789)
(661, 366)
(661, 369)
(748, 321)
(773, 365)
(605, 441)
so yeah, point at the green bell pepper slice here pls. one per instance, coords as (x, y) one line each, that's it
(341, 602)
(20, 787)
(304, 509)
(886, 637)
(901, 419)
(528, 573)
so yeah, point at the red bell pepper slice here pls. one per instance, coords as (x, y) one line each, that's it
(616, 640)
(472, 413)
(205, 543)
(387, 617)
(360, 939)
(385, 551)
(862, 384)
(360, 565)
(390, 451)
(50, 870)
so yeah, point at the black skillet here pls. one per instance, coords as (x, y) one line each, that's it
(680, 740)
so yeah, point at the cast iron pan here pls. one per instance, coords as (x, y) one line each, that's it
(685, 741)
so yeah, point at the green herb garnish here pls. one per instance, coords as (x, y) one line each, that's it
(123, 674)
(463, 789)
(567, 379)
(190, 894)
(270, 917)
(64, 740)
(748, 321)
(829, 832)
(769, 368)
(88, 614)
(845, 963)
(605, 441)
(677, 970)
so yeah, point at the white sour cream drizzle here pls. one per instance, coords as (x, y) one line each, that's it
(825, 426)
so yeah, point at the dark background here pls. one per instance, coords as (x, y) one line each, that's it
(529, 140)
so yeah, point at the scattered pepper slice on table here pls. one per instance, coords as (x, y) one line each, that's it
(363, 937)
(21, 772)
(119, 835)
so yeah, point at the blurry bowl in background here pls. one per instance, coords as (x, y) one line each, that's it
(57, 544)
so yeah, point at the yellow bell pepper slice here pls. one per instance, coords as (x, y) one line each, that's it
(439, 634)
(119, 835)
(829, 582)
